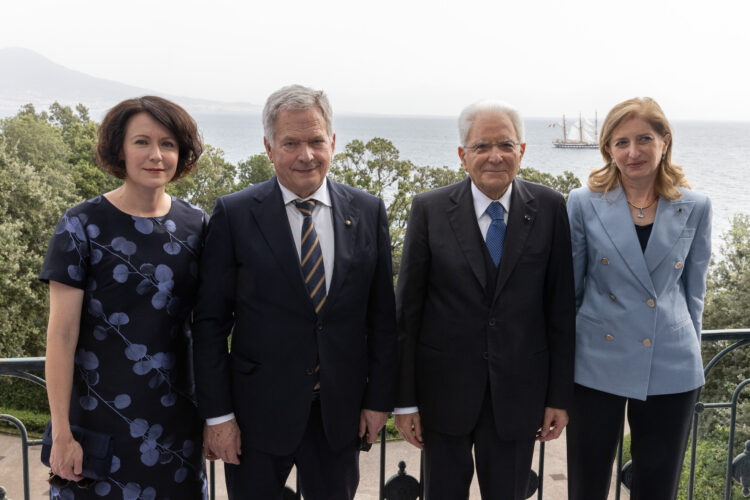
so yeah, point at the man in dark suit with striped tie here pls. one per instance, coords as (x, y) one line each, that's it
(486, 316)
(298, 270)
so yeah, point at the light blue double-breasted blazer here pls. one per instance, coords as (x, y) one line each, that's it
(638, 318)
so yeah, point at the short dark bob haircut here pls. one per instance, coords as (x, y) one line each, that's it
(170, 115)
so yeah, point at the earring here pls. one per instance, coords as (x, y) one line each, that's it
(664, 157)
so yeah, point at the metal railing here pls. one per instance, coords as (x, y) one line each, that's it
(402, 486)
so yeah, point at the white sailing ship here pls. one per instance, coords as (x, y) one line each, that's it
(580, 135)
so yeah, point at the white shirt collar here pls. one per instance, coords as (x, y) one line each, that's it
(321, 195)
(482, 201)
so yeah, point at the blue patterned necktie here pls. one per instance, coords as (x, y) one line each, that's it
(496, 232)
(311, 256)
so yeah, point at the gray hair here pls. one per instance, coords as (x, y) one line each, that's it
(470, 112)
(295, 97)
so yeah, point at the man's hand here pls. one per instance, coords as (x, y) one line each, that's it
(410, 428)
(222, 441)
(555, 421)
(370, 423)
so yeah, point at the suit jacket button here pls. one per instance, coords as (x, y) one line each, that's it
(485, 355)
(612, 297)
(320, 327)
(609, 337)
(650, 303)
(646, 342)
(492, 322)
(678, 265)
(310, 371)
(605, 261)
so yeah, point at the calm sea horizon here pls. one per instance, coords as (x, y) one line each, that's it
(714, 155)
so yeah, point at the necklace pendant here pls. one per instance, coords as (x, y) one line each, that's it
(640, 213)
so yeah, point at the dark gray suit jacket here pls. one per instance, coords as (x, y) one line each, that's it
(457, 334)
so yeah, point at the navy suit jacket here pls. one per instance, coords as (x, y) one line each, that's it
(455, 337)
(252, 287)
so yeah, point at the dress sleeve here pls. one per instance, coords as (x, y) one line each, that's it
(68, 253)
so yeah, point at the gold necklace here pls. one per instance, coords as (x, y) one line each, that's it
(641, 209)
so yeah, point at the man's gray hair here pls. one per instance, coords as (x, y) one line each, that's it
(295, 97)
(470, 112)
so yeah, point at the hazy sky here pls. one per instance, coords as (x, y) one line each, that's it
(409, 57)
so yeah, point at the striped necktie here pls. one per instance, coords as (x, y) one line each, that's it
(311, 256)
(496, 232)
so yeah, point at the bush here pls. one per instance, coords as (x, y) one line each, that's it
(710, 467)
(34, 421)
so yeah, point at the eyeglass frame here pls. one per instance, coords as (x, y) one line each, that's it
(491, 145)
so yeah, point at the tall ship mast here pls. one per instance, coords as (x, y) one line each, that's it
(579, 135)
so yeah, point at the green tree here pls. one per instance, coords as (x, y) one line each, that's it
(376, 167)
(564, 183)
(728, 306)
(257, 168)
(33, 140)
(30, 206)
(80, 135)
(60, 141)
(214, 177)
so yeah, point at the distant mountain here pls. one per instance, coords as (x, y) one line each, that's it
(26, 76)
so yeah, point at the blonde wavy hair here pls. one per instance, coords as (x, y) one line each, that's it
(669, 177)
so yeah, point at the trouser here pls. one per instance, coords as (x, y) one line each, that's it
(324, 474)
(659, 430)
(503, 467)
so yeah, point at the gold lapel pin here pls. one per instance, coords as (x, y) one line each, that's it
(347, 223)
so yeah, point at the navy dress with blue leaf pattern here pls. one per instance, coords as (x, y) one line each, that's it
(132, 375)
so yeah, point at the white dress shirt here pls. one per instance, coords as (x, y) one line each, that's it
(481, 202)
(323, 222)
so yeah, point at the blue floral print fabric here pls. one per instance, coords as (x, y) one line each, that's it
(132, 374)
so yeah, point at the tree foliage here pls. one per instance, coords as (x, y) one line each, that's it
(376, 167)
(564, 183)
(27, 218)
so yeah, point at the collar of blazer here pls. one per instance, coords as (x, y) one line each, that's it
(463, 221)
(270, 214)
(614, 215)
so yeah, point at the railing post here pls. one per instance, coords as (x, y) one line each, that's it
(541, 471)
(24, 452)
(730, 451)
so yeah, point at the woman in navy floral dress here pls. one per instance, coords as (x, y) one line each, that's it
(122, 269)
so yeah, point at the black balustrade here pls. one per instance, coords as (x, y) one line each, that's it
(403, 486)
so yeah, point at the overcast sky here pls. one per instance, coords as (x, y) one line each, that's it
(409, 57)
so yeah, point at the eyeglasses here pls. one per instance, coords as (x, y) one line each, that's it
(59, 482)
(483, 147)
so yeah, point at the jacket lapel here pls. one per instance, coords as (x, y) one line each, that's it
(345, 226)
(615, 218)
(463, 221)
(671, 218)
(270, 214)
(523, 209)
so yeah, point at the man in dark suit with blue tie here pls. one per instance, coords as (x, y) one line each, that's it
(298, 270)
(486, 316)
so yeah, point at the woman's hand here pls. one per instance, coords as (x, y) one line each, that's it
(66, 457)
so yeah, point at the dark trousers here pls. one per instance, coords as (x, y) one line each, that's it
(324, 474)
(659, 430)
(503, 467)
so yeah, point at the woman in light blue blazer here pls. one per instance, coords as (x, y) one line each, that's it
(641, 250)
